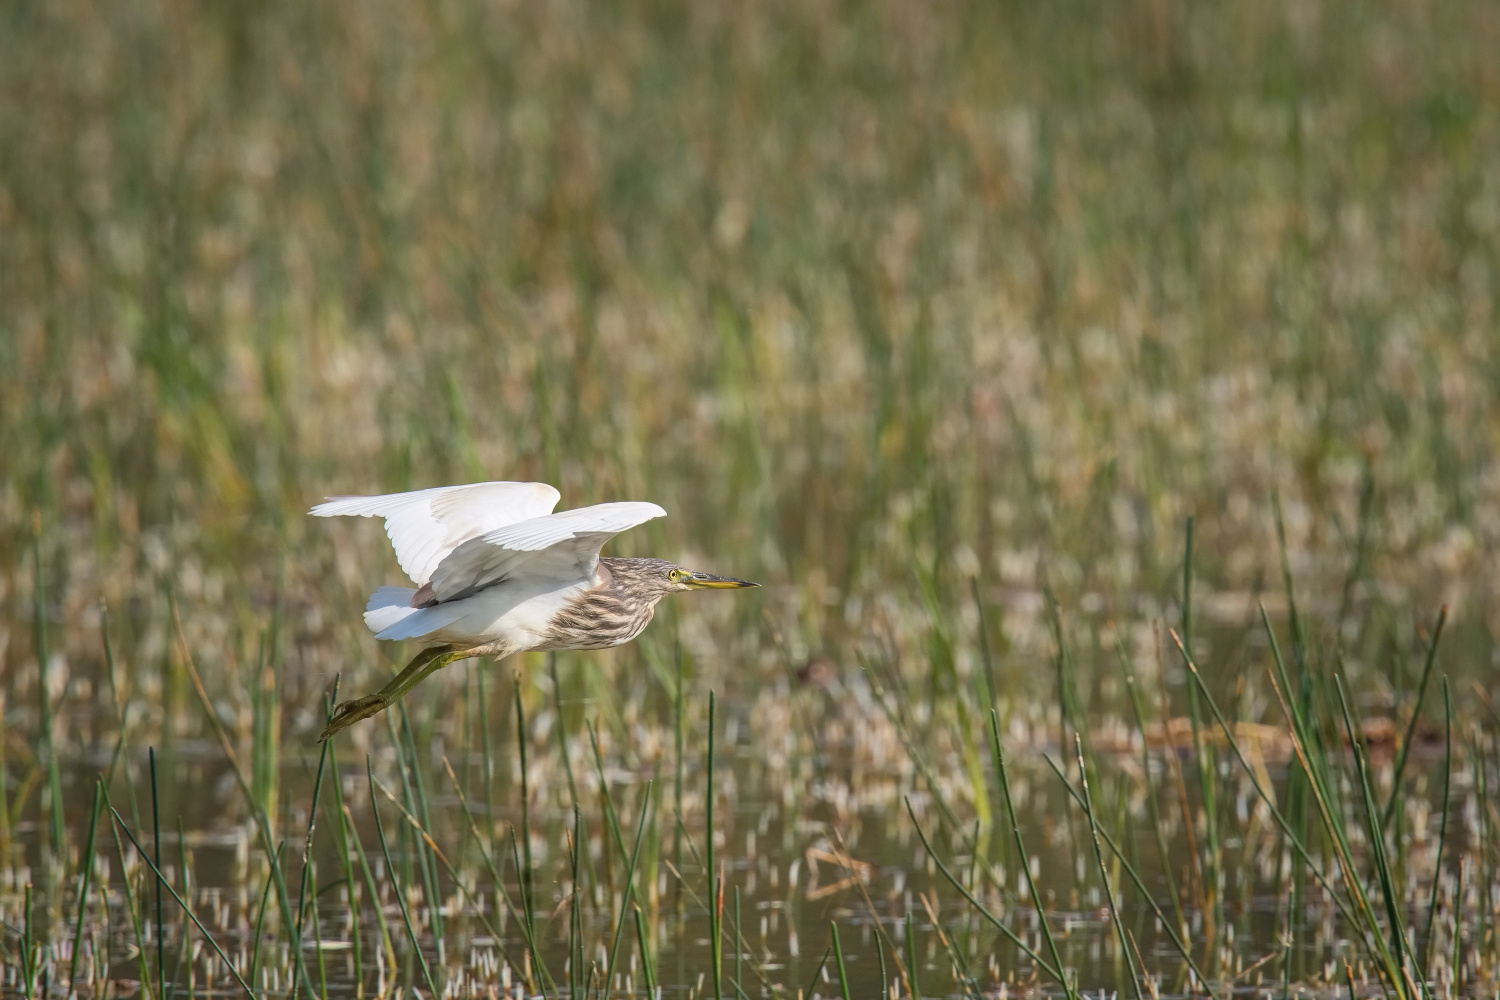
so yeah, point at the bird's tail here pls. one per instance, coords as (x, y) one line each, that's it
(387, 606)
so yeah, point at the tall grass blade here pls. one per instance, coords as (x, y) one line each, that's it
(257, 934)
(1177, 939)
(400, 894)
(1109, 894)
(1398, 958)
(1205, 759)
(648, 966)
(55, 812)
(1416, 715)
(911, 958)
(1158, 827)
(312, 825)
(838, 958)
(1354, 904)
(1067, 982)
(83, 885)
(523, 917)
(131, 908)
(343, 830)
(1050, 968)
(716, 899)
(628, 899)
(162, 882)
(1437, 864)
(161, 957)
(258, 810)
(528, 900)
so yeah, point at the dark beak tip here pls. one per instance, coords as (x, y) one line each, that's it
(722, 582)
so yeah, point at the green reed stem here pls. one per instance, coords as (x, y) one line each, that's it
(399, 893)
(1361, 918)
(611, 817)
(187, 893)
(1399, 958)
(386, 944)
(1158, 827)
(560, 729)
(648, 967)
(1049, 968)
(716, 899)
(258, 934)
(527, 899)
(343, 831)
(258, 809)
(818, 972)
(161, 960)
(424, 834)
(576, 982)
(83, 884)
(677, 743)
(1265, 796)
(991, 688)
(415, 792)
(1109, 894)
(1437, 865)
(312, 825)
(55, 815)
(161, 881)
(629, 895)
(1203, 753)
(1178, 942)
(130, 906)
(911, 956)
(523, 917)
(1416, 714)
(739, 946)
(317, 930)
(1057, 970)
(489, 759)
(838, 957)
(27, 972)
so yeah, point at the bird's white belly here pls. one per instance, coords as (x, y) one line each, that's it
(510, 617)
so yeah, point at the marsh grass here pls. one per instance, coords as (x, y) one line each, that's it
(1000, 342)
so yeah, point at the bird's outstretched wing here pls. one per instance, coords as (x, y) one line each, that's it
(559, 546)
(426, 525)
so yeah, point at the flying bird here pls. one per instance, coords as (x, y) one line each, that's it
(497, 573)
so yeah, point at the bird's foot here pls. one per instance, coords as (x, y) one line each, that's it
(350, 712)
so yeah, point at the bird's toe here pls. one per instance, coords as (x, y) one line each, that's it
(350, 712)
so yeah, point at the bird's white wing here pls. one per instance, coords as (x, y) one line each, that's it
(426, 525)
(559, 546)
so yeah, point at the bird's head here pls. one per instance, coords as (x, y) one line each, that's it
(658, 577)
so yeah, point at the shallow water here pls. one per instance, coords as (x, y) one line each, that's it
(812, 823)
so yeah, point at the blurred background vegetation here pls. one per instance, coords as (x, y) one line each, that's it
(902, 308)
(875, 298)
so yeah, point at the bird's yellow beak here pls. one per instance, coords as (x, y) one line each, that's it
(707, 581)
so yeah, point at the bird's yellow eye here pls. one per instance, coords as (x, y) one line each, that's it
(674, 575)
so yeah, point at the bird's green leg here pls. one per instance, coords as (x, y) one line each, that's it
(427, 661)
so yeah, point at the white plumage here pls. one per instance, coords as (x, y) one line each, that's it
(497, 573)
(491, 560)
(425, 525)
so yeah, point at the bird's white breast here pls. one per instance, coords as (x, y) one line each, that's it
(512, 616)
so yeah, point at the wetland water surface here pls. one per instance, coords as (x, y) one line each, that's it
(811, 782)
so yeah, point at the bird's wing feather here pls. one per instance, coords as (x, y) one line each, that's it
(426, 525)
(560, 546)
